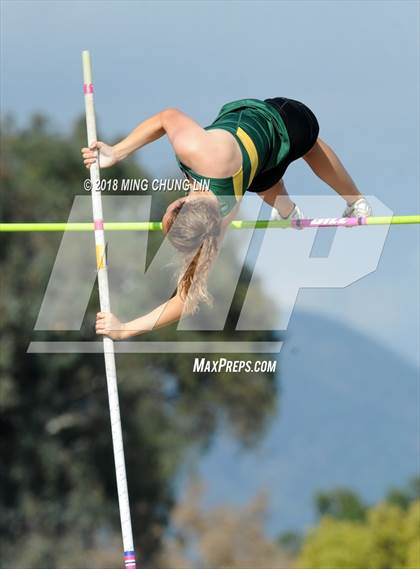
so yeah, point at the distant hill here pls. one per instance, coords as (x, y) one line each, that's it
(348, 416)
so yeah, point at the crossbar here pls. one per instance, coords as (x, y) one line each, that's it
(236, 224)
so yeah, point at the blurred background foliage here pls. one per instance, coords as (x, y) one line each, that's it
(352, 535)
(57, 483)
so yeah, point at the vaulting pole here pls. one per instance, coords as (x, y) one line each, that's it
(108, 344)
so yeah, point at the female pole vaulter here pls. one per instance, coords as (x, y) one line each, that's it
(248, 147)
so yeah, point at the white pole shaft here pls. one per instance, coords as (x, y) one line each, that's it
(111, 374)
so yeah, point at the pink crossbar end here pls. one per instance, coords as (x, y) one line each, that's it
(87, 88)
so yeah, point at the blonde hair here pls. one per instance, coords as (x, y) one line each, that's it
(196, 236)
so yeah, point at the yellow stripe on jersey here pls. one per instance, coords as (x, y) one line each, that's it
(238, 183)
(251, 150)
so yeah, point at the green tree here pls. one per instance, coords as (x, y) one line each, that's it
(403, 497)
(387, 539)
(335, 544)
(412, 536)
(340, 503)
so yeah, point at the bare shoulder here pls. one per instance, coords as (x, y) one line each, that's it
(215, 153)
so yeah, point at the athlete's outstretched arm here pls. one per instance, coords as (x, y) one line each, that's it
(167, 313)
(183, 133)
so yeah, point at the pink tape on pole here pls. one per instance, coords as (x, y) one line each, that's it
(99, 224)
(130, 559)
(87, 88)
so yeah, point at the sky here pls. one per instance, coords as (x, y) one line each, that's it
(355, 64)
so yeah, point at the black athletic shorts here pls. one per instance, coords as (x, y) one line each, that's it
(302, 127)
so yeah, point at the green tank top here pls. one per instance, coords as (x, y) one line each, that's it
(263, 140)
